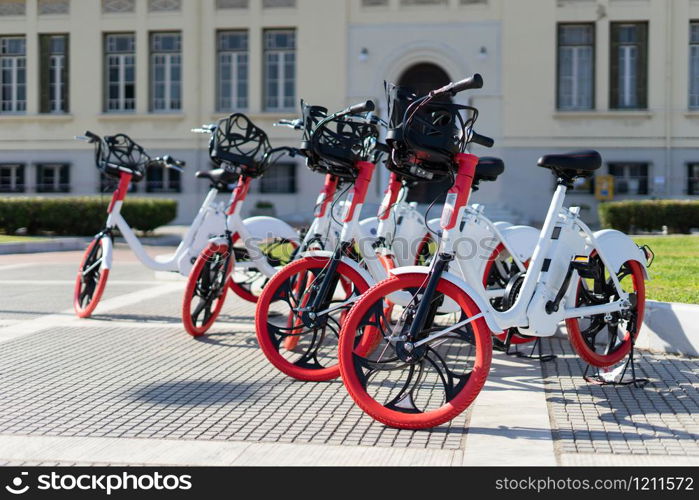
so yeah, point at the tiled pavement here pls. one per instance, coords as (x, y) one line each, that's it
(133, 374)
(661, 418)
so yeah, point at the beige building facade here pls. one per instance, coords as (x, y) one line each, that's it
(620, 76)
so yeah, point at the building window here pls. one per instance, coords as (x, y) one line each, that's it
(54, 73)
(630, 178)
(166, 71)
(272, 4)
(576, 66)
(281, 179)
(13, 74)
(163, 180)
(232, 88)
(693, 178)
(694, 65)
(13, 7)
(118, 6)
(120, 67)
(280, 70)
(374, 3)
(232, 4)
(53, 178)
(164, 5)
(11, 178)
(629, 66)
(54, 7)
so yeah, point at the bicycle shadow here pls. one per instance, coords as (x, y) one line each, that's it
(193, 393)
(658, 412)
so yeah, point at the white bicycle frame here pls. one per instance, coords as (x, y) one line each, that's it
(546, 273)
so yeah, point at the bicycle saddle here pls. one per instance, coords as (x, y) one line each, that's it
(571, 165)
(489, 168)
(218, 176)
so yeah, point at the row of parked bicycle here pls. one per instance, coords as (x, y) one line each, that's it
(405, 310)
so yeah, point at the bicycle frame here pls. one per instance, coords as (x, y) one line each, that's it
(559, 242)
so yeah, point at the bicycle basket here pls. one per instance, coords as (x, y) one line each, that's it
(424, 141)
(339, 144)
(239, 144)
(121, 154)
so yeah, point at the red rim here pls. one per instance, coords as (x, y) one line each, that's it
(189, 295)
(87, 310)
(266, 338)
(587, 353)
(516, 339)
(393, 418)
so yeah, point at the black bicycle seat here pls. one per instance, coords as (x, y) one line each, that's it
(571, 165)
(218, 176)
(489, 168)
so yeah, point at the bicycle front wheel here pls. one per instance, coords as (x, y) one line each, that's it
(206, 289)
(298, 340)
(404, 383)
(91, 280)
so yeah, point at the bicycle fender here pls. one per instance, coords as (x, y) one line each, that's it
(262, 228)
(522, 240)
(481, 302)
(617, 248)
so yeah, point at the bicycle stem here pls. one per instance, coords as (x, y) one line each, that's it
(457, 200)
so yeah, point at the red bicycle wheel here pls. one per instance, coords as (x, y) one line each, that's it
(91, 279)
(206, 289)
(488, 277)
(413, 386)
(586, 333)
(280, 316)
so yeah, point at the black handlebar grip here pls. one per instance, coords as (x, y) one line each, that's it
(361, 108)
(482, 140)
(91, 136)
(474, 82)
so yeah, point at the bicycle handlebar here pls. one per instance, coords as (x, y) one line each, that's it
(295, 124)
(357, 109)
(474, 82)
(205, 129)
(168, 161)
(484, 141)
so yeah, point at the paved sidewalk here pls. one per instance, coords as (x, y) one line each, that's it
(130, 386)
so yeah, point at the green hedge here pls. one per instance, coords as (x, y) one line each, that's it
(650, 215)
(83, 216)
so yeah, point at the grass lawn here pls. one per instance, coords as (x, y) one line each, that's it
(675, 272)
(18, 239)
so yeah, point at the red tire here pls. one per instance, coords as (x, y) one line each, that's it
(313, 356)
(359, 355)
(584, 339)
(207, 282)
(516, 339)
(89, 285)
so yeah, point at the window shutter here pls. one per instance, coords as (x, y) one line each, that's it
(44, 70)
(65, 75)
(65, 178)
(614, 67)
(642, 80)
(20, 179)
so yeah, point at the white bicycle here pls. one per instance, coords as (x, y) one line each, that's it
(425, 362)
(302, 308)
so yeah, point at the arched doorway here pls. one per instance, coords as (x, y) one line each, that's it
(422, 78)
